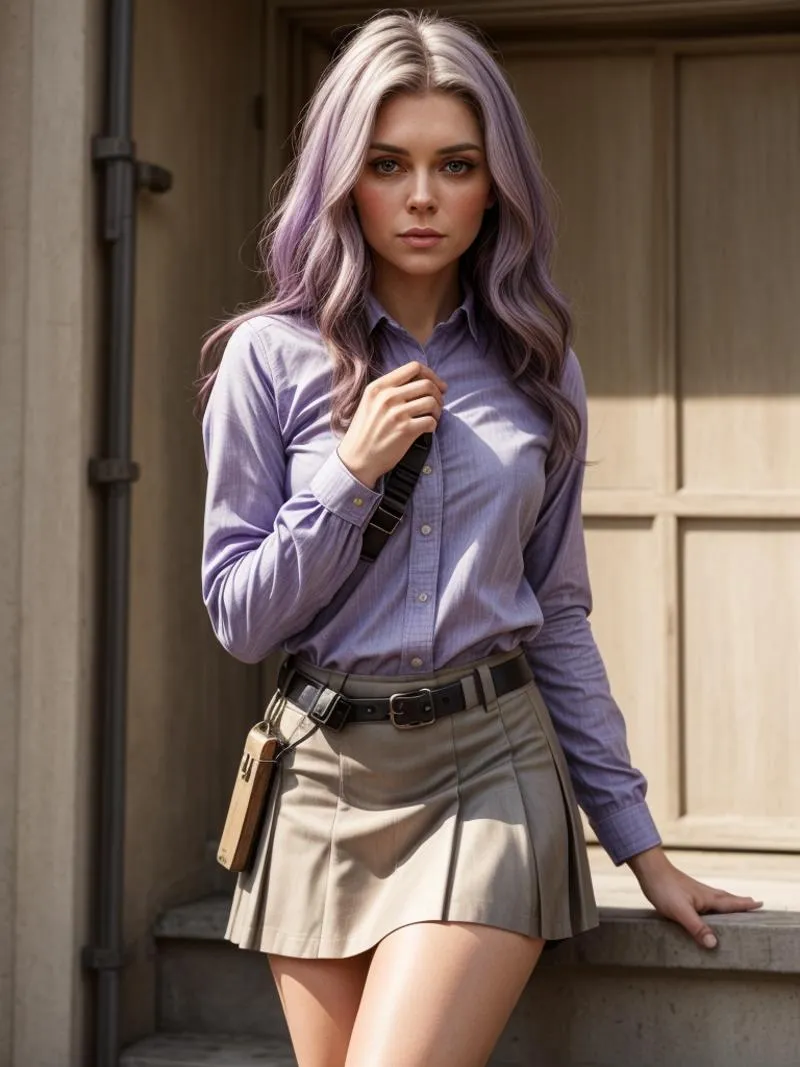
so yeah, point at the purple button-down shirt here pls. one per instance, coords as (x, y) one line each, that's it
(489, 555)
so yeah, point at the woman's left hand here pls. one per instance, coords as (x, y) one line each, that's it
(678, 897)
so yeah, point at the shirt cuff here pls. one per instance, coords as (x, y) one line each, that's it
(338, 490)
(627, 832)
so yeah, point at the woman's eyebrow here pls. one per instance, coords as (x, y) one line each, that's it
(439, 151)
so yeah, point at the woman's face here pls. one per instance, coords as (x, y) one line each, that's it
(425, 168)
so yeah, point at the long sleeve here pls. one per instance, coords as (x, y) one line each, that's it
(269, 564)
(567, 664)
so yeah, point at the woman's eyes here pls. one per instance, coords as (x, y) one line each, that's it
(379, 163)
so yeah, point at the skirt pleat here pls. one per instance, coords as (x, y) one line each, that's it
(578, 874)
(472, 819)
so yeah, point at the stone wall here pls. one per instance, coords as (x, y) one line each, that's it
(196, 74)
(50, 93)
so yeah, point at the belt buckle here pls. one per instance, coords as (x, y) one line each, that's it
(417, 695)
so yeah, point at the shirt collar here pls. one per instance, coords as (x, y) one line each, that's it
(376, 312)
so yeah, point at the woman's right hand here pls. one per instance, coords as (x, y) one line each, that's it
(392, 413)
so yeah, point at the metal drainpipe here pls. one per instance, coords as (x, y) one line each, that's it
(114, 154)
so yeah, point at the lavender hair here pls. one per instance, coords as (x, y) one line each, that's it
(313, 252)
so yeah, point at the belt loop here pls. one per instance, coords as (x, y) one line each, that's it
(337, 687)
(277, 701)
(485, 684)
(285, 672)
(328, 697)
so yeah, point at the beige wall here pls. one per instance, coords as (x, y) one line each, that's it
(49, 95)
(14, 165)
(197, 70)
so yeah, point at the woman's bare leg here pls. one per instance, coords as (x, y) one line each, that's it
(320, 1000)
(439, 995)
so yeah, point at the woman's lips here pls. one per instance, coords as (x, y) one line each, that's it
(419, 241)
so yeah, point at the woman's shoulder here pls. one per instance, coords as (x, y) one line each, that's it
(267, 359)
(278, 344)
(272, 331)
(572, 384)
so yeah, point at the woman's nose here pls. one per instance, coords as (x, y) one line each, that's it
(421, 193)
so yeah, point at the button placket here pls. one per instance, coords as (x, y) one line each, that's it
(424, 560)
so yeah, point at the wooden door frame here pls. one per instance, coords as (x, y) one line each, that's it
(292, 29)
(290, 26)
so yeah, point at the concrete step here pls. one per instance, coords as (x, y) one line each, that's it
(208, 985)
(635, 992)
(208, 1050)
(201, 920)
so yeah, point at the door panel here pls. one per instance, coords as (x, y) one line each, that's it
(624, 560)
(742, 670)
(739, 271)
(593, 117)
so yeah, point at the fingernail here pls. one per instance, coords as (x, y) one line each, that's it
(709, 941)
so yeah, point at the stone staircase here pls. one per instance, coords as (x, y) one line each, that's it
(217, 1005)
(633, 993)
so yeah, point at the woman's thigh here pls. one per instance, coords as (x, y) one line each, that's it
(320, 1000)
(440, 994)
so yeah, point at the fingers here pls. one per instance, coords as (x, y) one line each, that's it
(714, 900)
(420, 387)
(684, 900)
(425, 405)
(702, 933)
(706, 898)
(408, 372)
(393, 411)
(724, 903)
(421, 395)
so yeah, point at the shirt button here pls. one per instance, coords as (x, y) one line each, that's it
(358, 501)
(423, 597)
(427, 469)
(416, 662)
(425, 529)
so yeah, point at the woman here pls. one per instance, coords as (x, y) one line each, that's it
(407, 880)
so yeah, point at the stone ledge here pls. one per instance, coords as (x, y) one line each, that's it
(764, 941)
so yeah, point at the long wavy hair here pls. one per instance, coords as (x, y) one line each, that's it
(312, 250)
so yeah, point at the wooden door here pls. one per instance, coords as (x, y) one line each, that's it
(677, 172)
(676, 169)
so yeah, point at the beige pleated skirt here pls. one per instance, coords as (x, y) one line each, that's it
(472, 819)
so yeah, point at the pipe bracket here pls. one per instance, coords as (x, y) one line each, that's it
(110, 471)
(153, 178)
(149, 176)
(95, 958)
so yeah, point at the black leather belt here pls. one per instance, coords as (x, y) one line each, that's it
(419, 707)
